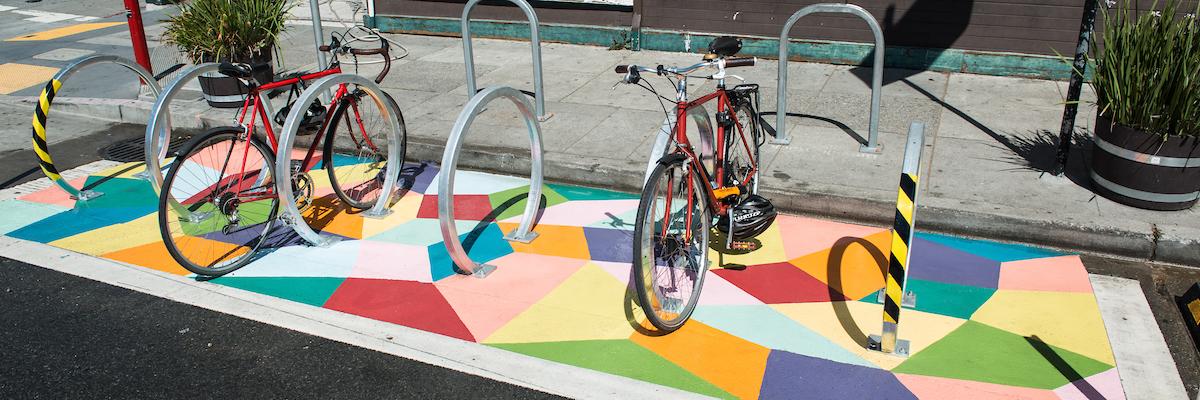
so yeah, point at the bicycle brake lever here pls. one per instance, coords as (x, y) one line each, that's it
(737, 77)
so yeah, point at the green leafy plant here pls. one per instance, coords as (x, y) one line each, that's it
(227, 29)
(1148, 75)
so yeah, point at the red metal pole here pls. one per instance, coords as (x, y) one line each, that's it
(137, 34)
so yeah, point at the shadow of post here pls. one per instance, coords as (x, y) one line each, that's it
(835, 283)
(1064, 368)
(476, 232)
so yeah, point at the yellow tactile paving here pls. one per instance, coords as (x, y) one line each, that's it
(64, 31)
(14, 77)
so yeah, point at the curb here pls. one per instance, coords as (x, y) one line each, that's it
(627, 176)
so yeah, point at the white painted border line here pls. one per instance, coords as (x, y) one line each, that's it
(1144, 362)
(426, 347)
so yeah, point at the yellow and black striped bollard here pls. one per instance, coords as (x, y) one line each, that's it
(903, 228)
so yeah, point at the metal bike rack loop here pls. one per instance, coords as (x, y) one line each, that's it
(42, 113)
(160, 114)
(450, 165)
(872, 145)
(283, 157)
(534, 40)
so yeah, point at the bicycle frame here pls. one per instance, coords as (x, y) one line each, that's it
(716, 194)
(254, 109)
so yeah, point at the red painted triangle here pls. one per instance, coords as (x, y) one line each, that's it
(780, 283)
(412, 304)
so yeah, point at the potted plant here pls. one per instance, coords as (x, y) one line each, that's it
(240, 31)
(1146, 149)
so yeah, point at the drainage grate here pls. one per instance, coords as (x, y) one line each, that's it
(131, 150)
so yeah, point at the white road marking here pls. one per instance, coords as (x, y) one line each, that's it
(47, 16)
(1143, 360)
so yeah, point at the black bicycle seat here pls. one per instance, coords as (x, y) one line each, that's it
(725, 46)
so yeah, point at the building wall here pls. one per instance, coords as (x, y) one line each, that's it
(1039, 27)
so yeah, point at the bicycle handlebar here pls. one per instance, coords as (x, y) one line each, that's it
(729, 62)
(336, 47)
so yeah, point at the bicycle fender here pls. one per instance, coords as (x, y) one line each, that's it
(672, 158)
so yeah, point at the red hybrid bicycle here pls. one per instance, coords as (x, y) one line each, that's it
(219, 202)
(683, 196)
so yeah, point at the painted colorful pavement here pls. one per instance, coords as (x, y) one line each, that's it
(992, 320)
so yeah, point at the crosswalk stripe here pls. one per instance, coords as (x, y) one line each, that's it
(64, 31)
(48, 16)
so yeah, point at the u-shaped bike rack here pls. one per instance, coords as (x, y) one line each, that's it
(872, 145)
(535, 41)
(283, 157)
(450, 165)
(41, 116)
(160, 114)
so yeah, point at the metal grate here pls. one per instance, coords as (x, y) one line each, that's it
(131, 150)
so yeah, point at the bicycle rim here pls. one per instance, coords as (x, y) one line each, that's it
(213, 212)
(670, 249)
(356, 150)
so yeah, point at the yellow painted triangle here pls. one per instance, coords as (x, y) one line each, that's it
(1067, 320)
(403, 211)
(848, 323)
(587, 306)
(113, 237)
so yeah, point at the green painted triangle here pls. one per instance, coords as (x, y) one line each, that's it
(618, 357)
(585, 193)
(978, 352)
(517, 207)
(312, 291)
(958, 301)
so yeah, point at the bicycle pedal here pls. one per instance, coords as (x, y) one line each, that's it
(740, 245)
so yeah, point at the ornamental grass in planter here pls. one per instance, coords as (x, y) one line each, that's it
(239, 31)
(1146, 151)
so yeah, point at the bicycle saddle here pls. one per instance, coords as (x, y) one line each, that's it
(723, 46)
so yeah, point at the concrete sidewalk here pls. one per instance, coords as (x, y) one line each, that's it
(989, 139)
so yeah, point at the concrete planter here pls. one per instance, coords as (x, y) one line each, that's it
(1142, 170)
(221, 91)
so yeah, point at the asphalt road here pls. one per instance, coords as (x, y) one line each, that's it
(67, 337)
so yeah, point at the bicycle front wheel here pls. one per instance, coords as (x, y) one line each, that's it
(670, 251)
(356, 149)
(218, 201)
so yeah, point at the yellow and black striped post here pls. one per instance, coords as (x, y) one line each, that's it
(902, 234)
(39, 129)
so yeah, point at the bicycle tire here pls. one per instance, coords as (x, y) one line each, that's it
(241, 250)
(330, 150)
(642, 269)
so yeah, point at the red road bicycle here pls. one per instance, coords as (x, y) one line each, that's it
(218, 201)
(682, 196)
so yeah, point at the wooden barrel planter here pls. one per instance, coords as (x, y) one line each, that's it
(224, 92)
(1142, 170)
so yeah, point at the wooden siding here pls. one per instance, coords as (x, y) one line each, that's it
(1020, 26)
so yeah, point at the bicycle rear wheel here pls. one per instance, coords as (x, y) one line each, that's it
(356, 149)
(218, 201)
(670, 252)
(739, 153)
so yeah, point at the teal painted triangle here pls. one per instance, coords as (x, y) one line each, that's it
(618, 357)
(1002, 252)
(763, 325)
(979, 352)
(19, 213)
(311, 291)
(958, 301)
(585, 193)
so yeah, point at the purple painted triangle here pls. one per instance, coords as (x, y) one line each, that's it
(939, 263)
(792, 376)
